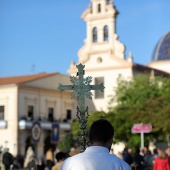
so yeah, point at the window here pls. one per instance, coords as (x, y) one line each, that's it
(99, 8)
(98, 93)
(30, 112)
(50, 114)
(2, 112)
(107, 2)
(99, 60)
(105, 33)
(68, 114)
(94, 34)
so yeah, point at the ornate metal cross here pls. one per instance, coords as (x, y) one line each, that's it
(81, 88)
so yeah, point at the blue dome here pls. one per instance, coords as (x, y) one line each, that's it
(162, 49)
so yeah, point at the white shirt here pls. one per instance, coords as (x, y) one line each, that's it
(94, 158)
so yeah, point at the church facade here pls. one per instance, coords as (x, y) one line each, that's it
(103, 54)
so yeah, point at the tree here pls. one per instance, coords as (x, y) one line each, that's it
(141, 100)
(66, 143)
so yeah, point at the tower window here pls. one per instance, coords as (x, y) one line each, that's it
(99, 60)
(105, 33)
(94, 34)
(98, 93)
(107, 2)
(99, 7)
(68, 114)
(2, 112)
(30, 112)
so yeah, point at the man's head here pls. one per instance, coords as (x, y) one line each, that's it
(101, 133)
(60, 156)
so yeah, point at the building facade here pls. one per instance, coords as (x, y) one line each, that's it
(30, 98)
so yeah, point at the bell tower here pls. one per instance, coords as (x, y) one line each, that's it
(102, 52)
(101, 37)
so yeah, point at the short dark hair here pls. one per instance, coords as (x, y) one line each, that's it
(101, 131)
(60, 155)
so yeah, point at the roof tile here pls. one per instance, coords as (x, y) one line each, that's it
(24, 78)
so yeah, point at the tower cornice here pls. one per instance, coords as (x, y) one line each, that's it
(98, 17)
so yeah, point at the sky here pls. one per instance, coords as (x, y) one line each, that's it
(45, 35)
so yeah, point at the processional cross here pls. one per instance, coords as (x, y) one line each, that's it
(81, 88)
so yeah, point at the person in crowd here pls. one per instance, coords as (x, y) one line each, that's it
(7, 159)
(29, 162)
(16, 163)
(97, 156)
(146, 150)
(138, 159)
(75, 149)
(154, 155)
(74, 152)
(147, 158)
(75, 145)
(161, 162)
(127, 157)
(168, 153)
(60, 157)
(142, 151)
(40, 164)
(49, 158)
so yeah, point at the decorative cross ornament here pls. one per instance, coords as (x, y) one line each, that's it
(81, 88)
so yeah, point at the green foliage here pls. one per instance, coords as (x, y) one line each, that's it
(136, 91)
(66, 143)
(141, 100)
(157, 113)
(75, 129)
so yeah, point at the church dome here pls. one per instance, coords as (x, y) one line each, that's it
(162, 49)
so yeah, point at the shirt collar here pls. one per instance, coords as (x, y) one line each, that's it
(97, 149)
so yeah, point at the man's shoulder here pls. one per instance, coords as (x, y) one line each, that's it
(71, 161)
(122, 163)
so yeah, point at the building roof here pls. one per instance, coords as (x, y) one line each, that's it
(147, 69)
(24, 78)
(162, 49)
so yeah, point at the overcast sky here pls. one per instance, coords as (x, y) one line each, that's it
(45, 35)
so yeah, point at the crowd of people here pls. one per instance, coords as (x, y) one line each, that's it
(29, 161)
(98, 156)
(158, 159)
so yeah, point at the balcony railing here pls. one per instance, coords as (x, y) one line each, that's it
(3, 124)
(45, 125)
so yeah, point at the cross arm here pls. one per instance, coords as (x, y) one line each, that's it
(64, 87)
(97, 87)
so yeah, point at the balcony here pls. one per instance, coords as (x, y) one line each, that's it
(3, 124)
(45, 125)
(25, 124)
